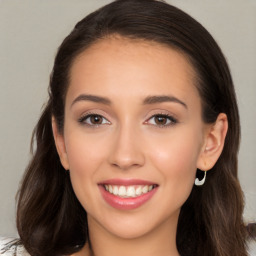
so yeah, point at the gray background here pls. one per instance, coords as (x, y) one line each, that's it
(31, 31)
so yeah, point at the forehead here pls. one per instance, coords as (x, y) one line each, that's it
(138, 67)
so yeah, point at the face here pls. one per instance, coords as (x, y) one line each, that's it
(133, 135)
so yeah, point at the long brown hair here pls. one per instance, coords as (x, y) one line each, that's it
(50, 219)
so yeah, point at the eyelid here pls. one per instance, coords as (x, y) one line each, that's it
(89, 114)
(172, 120)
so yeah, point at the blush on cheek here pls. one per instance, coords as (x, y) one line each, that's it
(177, 161)
(82, 152)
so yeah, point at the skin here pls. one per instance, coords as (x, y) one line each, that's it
(129, 142)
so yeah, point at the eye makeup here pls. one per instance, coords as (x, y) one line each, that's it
(160, 120)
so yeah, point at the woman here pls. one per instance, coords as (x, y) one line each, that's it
(141, 107)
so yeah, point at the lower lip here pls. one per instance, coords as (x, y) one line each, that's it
(126, 203)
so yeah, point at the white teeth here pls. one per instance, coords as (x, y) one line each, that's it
(145, 189)
(129, 191)
(115, 190)
(138, 191)
(122, 191)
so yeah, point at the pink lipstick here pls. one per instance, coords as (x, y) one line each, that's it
(127, 194)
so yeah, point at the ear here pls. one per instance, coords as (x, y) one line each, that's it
(60, 145)
(215, 135)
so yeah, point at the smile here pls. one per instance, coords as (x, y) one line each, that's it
(128, 191)
(127, 194)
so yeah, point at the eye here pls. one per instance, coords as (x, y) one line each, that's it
(162, 120)
(93, 120)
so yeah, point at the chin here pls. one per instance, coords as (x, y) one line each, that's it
(135, 225)
(131, 232)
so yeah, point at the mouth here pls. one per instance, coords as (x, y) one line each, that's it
(127, 194)
(128, 191)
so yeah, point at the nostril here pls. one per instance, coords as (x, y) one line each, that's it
(125, 166)
(125, 161)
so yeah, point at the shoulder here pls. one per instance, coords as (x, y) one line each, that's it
(252, 248)
(11, 247)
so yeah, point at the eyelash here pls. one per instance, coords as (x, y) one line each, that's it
(82, 119)
(172, 121)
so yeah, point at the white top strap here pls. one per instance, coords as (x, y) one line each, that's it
(10, 247)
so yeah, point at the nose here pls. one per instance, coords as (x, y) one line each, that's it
(127, 149)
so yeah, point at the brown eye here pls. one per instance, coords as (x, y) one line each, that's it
(161, 120)
(93, 120)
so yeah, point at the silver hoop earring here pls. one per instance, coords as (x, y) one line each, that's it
(200, 182)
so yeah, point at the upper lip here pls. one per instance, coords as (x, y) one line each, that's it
(126, 182)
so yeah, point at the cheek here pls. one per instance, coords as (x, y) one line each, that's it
(85, 156)
(85, 153)
(180, 149)
(175, 158)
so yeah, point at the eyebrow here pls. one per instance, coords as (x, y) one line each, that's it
(161, 99)
(93, 98)
(147, 101)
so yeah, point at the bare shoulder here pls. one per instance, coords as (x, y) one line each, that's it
(11, 247)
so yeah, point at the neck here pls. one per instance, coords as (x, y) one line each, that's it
(160, 241)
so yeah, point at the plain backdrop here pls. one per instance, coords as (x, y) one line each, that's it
(31, 31)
